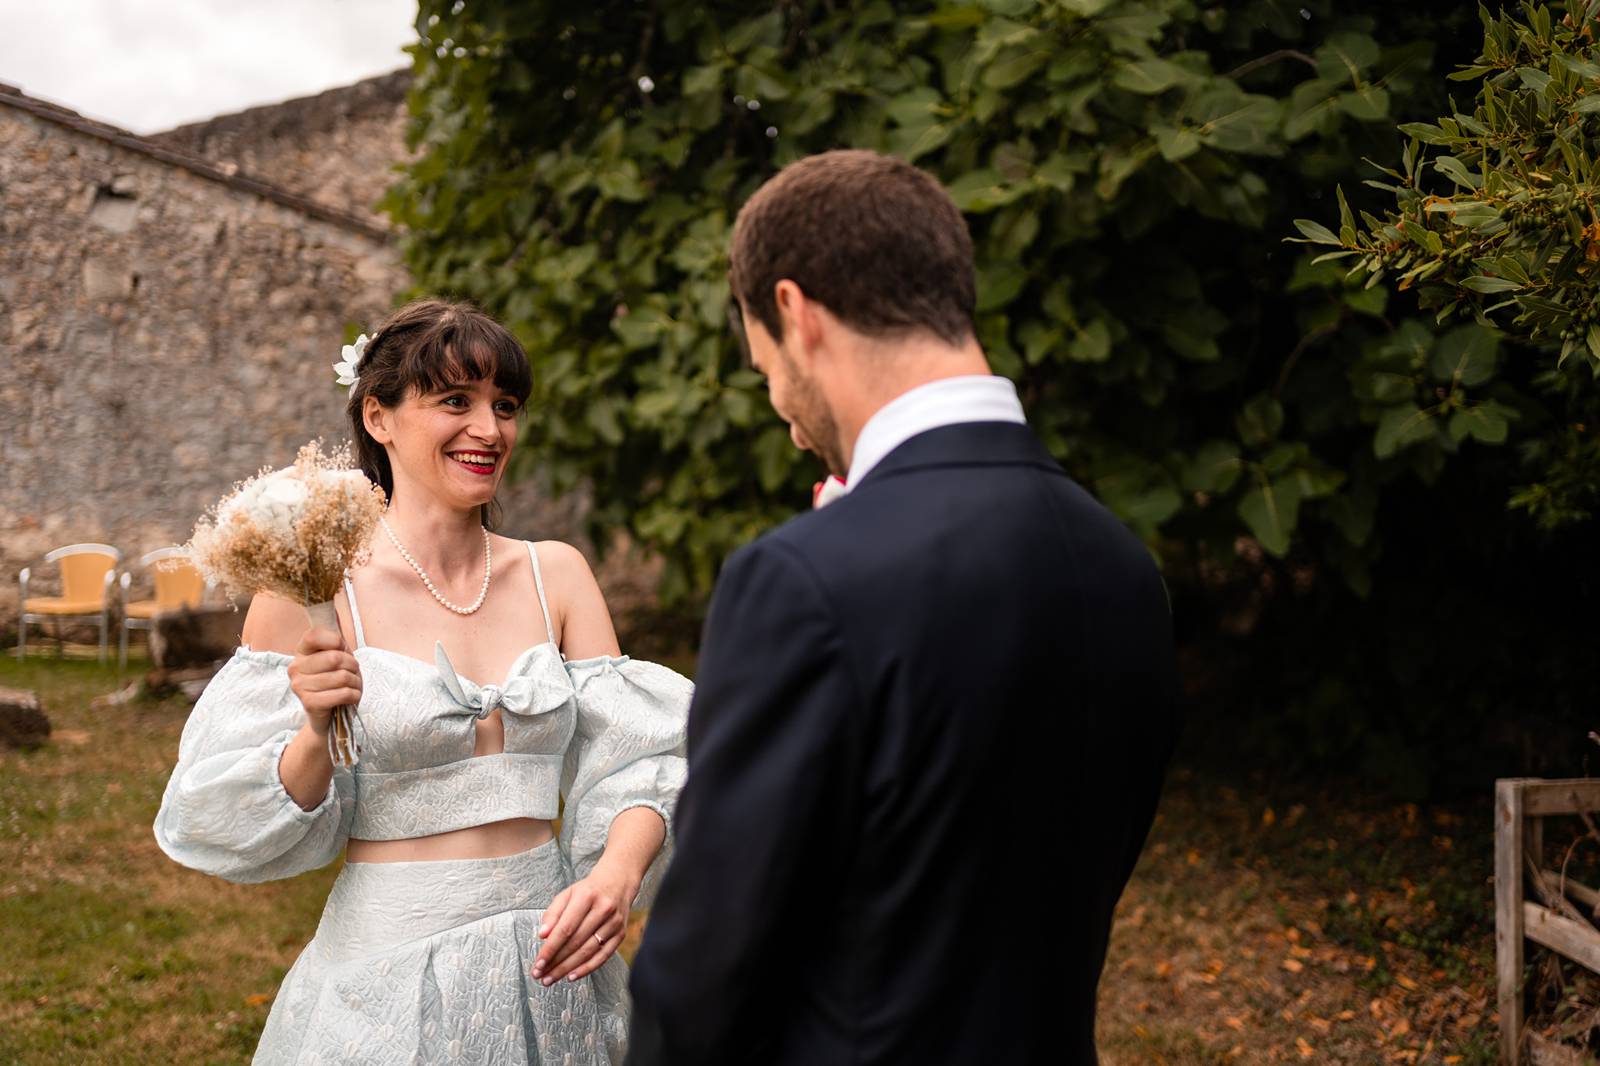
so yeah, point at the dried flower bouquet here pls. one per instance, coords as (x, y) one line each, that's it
(294, 533)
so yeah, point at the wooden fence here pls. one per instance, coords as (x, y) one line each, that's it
(1562, 915)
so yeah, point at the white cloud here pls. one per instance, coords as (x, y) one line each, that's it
(149, 65)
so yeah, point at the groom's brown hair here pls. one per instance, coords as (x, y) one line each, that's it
(873, 239)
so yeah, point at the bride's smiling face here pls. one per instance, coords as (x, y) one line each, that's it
(451, 444)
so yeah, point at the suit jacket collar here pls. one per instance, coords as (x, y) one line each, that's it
(945, 402)
(964, 444)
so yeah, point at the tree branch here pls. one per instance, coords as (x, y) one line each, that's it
(1271, 57)
(641, 63)
(1299, 349)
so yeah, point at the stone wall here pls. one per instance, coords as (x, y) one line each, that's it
(338, 147)
(168, 325)
(162, 335)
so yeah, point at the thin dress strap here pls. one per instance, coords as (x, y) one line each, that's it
(355, 615)
(538, 583)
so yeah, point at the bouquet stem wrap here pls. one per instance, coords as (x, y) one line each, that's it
(344, 745)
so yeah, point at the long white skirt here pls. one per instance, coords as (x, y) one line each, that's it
(425, 962)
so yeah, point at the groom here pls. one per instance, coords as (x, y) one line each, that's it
(931, 717)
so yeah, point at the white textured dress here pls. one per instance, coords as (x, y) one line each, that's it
(423, 962)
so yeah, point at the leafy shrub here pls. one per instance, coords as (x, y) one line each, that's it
(1126, 167)
(1322, 467)
(1495, 222)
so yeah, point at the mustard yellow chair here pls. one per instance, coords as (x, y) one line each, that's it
(87, 571)
(178, 585)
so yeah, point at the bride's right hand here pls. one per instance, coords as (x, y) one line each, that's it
(324, 676)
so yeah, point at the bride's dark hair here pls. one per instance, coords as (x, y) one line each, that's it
(429, 346)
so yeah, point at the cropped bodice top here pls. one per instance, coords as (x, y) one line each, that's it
(604, 734)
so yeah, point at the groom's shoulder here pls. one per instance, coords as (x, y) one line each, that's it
(894, 522)
(802, 537)
(788, 564)
(813, 530)
(848, 532)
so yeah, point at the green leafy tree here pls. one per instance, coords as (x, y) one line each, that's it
(1322, 466)
(1495, 222)
(1124, 166)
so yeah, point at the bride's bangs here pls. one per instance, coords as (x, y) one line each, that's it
(465, 349)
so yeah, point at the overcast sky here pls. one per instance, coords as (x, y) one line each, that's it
(149, 65)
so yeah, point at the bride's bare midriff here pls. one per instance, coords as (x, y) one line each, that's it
(476, 842)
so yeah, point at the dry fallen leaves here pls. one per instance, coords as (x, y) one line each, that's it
(1300, 969)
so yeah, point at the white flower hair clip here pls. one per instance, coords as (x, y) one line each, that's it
(348, 367)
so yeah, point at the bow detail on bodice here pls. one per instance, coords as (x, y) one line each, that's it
(523, 693)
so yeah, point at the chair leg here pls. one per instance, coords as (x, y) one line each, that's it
(61, 644)
(122, 646)
(105, 634)
(22, 638)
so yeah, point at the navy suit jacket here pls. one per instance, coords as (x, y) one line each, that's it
(928, 733)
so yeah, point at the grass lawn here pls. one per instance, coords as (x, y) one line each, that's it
(112, 953)
(1261, 926)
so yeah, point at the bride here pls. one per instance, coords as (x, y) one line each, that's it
(490, 689)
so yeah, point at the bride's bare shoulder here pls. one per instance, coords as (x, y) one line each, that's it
(274, 624)
(560, 561)
(582, 622)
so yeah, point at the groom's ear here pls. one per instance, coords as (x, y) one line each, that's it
(802, 325)
(376, 418)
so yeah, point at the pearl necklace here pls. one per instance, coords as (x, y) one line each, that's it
(423, 574)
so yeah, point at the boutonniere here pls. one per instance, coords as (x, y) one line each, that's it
(825, 492)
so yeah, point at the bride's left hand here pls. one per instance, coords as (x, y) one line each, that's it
(584, 925)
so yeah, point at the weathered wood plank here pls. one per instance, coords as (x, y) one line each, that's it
(1546, 887)
(1509, 820)
(22, 723)
(1574, 889)
(195, 636)
(1576, 941)
(1545, 1052)
(1568, 796)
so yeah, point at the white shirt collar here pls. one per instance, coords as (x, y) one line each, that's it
(947, 402)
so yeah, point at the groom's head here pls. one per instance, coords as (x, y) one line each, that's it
(850, 270)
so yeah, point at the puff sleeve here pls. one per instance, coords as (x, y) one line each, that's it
(627, 751)
(225, 810)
